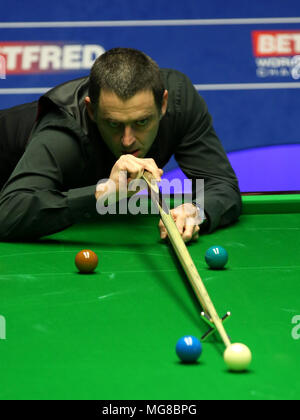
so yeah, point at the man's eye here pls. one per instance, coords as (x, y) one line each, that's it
(113, 124)
(142, 123)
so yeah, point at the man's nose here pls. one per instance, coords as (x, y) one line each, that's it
(128, 136)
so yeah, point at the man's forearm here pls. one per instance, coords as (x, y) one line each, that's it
(31, 215)
(223, 206)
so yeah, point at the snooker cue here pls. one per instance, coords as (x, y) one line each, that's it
(185, 258)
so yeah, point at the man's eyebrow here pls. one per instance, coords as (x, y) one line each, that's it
(108, 117)
(145, 117)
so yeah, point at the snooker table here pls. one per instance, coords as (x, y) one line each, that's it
(111, 335)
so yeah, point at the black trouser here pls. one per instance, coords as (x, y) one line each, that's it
(15, 128)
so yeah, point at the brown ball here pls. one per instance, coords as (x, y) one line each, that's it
(86, 261)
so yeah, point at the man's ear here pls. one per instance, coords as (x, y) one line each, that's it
(89, 108)
(164, 103)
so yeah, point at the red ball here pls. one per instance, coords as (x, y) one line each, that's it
(86, 261)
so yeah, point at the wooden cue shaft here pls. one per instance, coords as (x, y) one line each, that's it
(183, 255)
(193, 275)
(188, 264)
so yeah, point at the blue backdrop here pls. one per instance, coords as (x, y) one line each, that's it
(242, 57)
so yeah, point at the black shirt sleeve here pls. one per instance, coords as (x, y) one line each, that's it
(15, 127)
(201, 155)
(38, 199)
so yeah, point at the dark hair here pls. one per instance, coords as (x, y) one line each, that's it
(125, 71)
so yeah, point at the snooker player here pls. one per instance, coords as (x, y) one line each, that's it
(128, 115)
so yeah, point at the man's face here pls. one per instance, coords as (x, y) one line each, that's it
(131, 126)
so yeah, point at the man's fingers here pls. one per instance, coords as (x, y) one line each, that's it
(147, 165)
(162, 230)
(180, 223)
(190, 233)
(150, 166)
(133, 168)
(195, 237)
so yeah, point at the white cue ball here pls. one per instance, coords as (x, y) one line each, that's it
(238, 357)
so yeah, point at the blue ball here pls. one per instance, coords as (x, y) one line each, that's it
(188, 349)
(216, 257)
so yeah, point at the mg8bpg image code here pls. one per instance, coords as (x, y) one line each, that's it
(176, 409)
